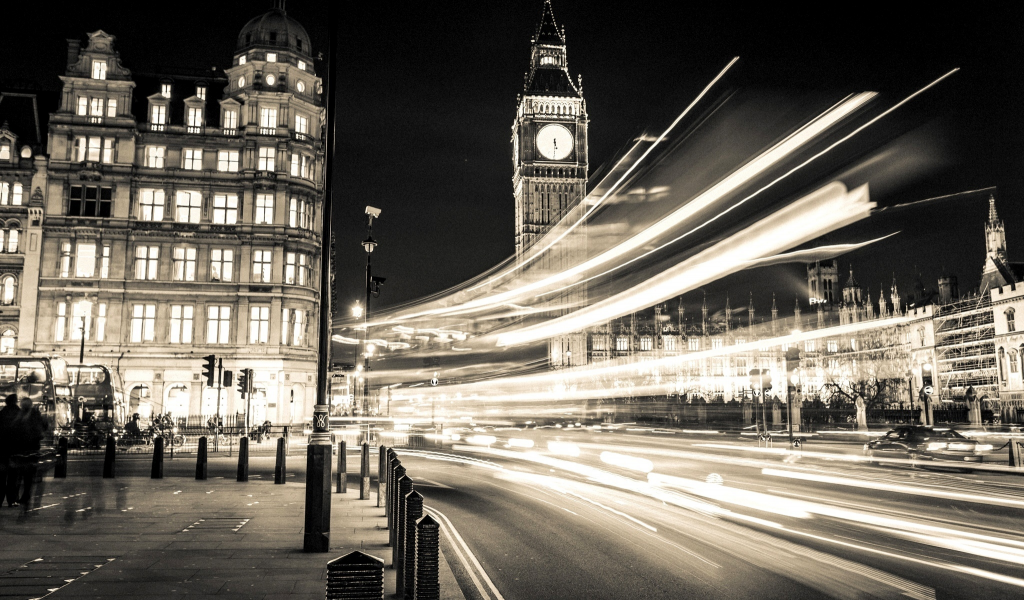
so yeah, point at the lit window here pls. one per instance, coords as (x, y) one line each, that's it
(201, 92)
(271, 80)
(299, 328)
(241, 60)
(300, 214)
(227, 161)
(646, 343)
(225, 209)
(302, 65)
(8, 291)
(99, 69)
(231, 119)
(155, 156)
(111, 107)
(184, 262)
(809, 346)
(105, 264)
(266, 159)
(108, 151)
(4, 192)
(264, 209)
(290, 264)
(101, 322)
(547, 60)
(151, 205)
(268, 118)
(5, 152)
(12, 241)
(218, 324)
(192, 159)
(259, 324)
(621, 344)
(1010, 325)
(7, 341)
(241, 81)
(271, 57)
(83, 106)
(60, 325)
(716, 343)
(189, 207)
(147, 260)
(195, 119)
(143, 322)
(221, 263)
(181, 323)
(261, 263)
(17, 194)
(85, 266)
(165, 90)
(301, 124)
(96, 107)
(670, 343)
(65, 259)
(832, 345)
(158, 114)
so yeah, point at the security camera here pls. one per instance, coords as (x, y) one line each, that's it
(373, 212)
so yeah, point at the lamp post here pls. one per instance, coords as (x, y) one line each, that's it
(372, 289)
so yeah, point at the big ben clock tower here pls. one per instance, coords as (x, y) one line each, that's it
(549, 153)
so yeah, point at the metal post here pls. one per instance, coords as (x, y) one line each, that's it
(243, 459)
(407, 565)
(405, 485)
(381, 457)
(108, 459)
(281, 468)
(355, 575)
(317, 537)
(364, 474)
(427, 559)
(201, 459)
(157, 470)
(60, 467)
(396, 479)
(342, 468)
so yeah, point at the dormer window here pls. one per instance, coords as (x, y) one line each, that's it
(272, 37)
(302, 63)
(201, 92)
(271, 56)
(165, 90)
(158, 114)
(298, 44)
(547, 60)
(241, 60)
(99, 69)
(5, 151)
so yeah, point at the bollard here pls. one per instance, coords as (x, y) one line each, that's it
(60, 466)
(342, 468)
(108, 459)
(382, 457)
(393, 464)
(281, 467)
(397, 473)
(402, 486)
(157, 471)
(201, 460)
(427, 547)
(1015, 454)
(364, 474)
(243, 459)
(387, 480)
(407, 562)
(355, 575)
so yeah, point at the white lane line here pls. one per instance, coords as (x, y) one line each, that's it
(472, 557)
(612, 510)
(432, 483)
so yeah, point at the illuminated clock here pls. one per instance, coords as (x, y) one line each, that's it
(554, 142)
(300, 86)
(271, 80)
(241, 81)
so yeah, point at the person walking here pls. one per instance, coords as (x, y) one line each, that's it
(8, 433)
(30, 426)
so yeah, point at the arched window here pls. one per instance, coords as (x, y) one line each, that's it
(8, 286)
(7, 341)
(1002, 365)
(1010, 326)
(646, 343)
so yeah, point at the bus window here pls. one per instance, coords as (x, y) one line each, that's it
(31, 372)
(8, 373)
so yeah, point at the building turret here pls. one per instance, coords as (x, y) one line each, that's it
(704, 315)
(750, 311)
(728, 314)
(948, 289)
(775, 315)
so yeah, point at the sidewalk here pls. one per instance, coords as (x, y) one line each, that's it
(177, 537)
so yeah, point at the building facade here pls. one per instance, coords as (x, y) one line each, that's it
(175, 217)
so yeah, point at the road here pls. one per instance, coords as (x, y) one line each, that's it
(716, 517)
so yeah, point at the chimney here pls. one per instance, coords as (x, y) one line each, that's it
(73, 48)
(948, 289)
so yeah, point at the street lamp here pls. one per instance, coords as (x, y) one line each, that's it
(372, 289)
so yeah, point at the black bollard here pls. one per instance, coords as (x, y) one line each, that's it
(108, 459)
(355, 575)
(280, 468)
(201, 460)
(407, 553)
(403, 483)
(396, 474)
(342, 481)
(1015, 454)
(364, 474)
(316, 535)
(157, 471)
(427, 547)
(389, 476)
(381, 458)
(243, 459)
(60, 466)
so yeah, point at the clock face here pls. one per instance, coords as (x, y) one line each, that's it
(271, 80)
(554, 142)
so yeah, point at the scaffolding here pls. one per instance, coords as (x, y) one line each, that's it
(965, 348)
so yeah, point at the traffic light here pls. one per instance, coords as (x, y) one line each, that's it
(761, 379)
(766, 380)
(210, 369)
(243, 382)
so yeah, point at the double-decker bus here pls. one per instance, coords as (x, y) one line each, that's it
(98, 406)
(45, 381)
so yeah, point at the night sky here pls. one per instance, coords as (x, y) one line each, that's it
(428, 94)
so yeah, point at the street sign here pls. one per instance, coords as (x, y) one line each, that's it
(928, 390)
(433, 380)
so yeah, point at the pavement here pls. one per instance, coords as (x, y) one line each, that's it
(176, 537)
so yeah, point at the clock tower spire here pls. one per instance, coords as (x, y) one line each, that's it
(549, 177)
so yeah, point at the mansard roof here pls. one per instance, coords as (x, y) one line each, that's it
(552, 82)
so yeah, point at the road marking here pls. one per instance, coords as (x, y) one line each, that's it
(432, 483)
(454, 535)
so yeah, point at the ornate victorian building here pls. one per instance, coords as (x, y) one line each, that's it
(177, 217)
